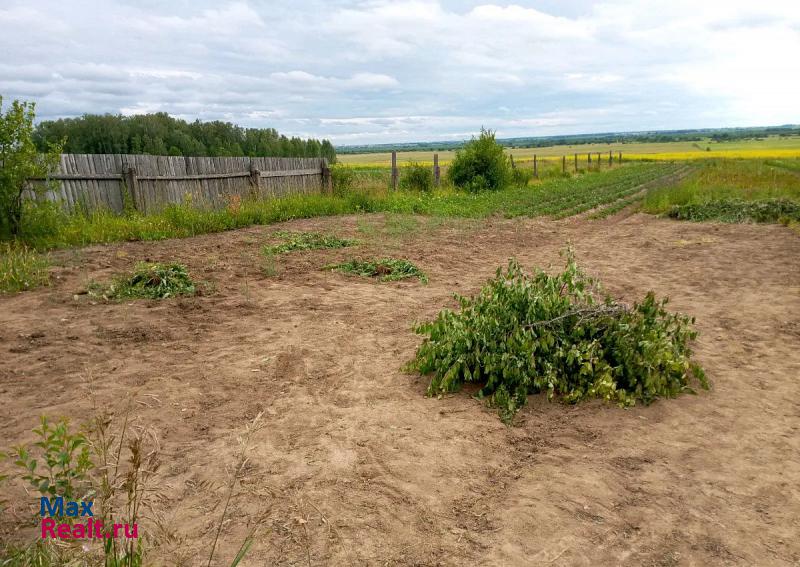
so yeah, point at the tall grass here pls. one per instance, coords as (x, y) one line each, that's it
(723, 180)
(21, 268)
(45, 226)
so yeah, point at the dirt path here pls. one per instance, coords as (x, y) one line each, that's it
(354, 466)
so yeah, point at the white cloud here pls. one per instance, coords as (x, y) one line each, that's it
(376, 70)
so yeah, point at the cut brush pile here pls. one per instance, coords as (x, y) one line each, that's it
(525, 334)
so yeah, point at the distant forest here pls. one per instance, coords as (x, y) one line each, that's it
(161, 134)
(715, 134)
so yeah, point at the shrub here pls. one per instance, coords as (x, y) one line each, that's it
(385, 269)
(151, 281)
(480, 165)
(64, 460)
(525, 334)
(19, 161)
(416, 177)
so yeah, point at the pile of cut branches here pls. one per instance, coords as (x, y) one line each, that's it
(559, 334)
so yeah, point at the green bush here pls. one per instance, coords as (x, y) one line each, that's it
(526, 334)
(480, 165)
(416, 177)
(20, 161)
(58, 463)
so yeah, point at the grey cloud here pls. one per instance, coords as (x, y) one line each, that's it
(409, 70)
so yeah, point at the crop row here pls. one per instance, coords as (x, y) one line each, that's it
(575, 196)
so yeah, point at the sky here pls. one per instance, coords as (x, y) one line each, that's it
(410, 70)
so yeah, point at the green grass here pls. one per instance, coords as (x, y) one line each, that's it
(306, 241)
(384, 269)
(45, 227)
(149, 281)
(737, 210)
(789, 164)
(22, 268)
(726, 180)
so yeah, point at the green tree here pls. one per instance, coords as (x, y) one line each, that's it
(20, 161)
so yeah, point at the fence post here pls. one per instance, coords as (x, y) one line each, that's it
(436, 170)
(576, 163)
(133, 188)
(255, 178)
(327, 181)
(394, 170)
(589, 156)
(564, 164)
(620, 157)
(535, 168)
(598, 160)
(610, 158)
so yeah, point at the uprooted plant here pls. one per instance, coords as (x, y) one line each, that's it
(559, 334)
(384, 269)
(306, 241)
(149, 281)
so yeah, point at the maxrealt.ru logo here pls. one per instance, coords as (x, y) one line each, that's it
(70, 529)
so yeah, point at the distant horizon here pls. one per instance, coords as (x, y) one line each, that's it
(580, 135)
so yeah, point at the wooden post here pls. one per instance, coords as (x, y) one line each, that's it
(133, 188)
(513, 166)
(535, 169)
(610, 158)
(436, 170)
(598, 159)
(576, 163)
(255, 179)
(620, 157)
(394, 171)
(589, 155)
(327, 180)
(564, 164)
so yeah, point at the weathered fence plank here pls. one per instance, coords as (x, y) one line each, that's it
(149, 183)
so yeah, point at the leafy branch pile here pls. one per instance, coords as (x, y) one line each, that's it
(385, 269)
(150, 281)
(561, 334)
(306, 241)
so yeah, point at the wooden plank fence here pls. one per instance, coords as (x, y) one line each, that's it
(149, 183)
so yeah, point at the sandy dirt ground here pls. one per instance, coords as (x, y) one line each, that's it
(353, 465)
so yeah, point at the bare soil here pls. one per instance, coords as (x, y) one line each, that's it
(355, 466)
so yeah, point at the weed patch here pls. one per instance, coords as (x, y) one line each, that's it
(22, 268)
(149, 281)
(384, 269)
(306, 241)
(737, 210)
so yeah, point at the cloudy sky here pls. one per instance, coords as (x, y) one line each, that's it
(375, 71)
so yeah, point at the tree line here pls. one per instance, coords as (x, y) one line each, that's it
(162, 134)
